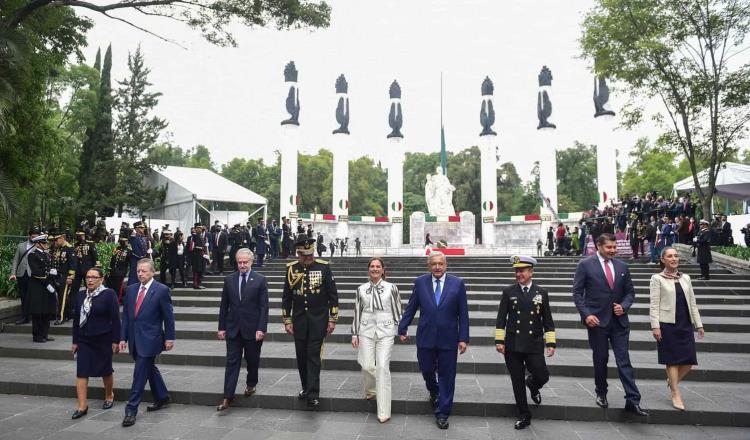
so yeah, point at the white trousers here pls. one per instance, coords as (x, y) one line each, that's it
(375, 359)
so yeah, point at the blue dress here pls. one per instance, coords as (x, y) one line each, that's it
(677, 345)
(95, 338)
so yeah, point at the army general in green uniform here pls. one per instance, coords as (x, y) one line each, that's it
(310, 309)
(524, 326)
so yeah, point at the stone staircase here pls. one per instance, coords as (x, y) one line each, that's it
(717, 392)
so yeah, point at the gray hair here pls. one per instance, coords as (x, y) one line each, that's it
(147, 262)
(245, 252)
(434, 254)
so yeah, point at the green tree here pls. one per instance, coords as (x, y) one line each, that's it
(166, 154)
(679, 52)
(200, 157)
(314, 182)
(651, 168)
(258, 177)
(509, 189)
(211, 17)
(529, 202)
(576, 178)
(368, 187)
(136, 131)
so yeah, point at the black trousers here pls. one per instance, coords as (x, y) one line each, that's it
(308, 365)
(235, 348)
(172, 272)
(23, 287)
(704, 270)
(518, 363)
(40, 326)
(219, 259)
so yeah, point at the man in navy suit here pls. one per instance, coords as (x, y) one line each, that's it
(243, 318)
(603, 292)
(148, 326)
(443, 327)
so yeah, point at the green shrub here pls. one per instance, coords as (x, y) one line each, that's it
(104, 251)
(743, 253)
(7, 251)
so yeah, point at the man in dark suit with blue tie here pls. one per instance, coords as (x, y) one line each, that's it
(243, 319)
(603, 292)
(148, 326)
(443, 328)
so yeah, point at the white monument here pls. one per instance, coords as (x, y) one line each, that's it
(438, 194)
(341, 147)
(606, 156)
(488, 150)
(395, 163)
(289, 147)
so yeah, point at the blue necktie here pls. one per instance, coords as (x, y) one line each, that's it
(437, 291)
(242, 284)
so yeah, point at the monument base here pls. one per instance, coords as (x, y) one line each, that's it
(456, 231)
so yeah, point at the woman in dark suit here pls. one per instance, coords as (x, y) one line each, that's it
(96, 335)
(673, 315)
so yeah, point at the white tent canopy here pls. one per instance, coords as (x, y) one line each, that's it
(187, 187)
(733, 181)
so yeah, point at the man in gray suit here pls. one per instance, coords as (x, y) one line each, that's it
(243, 319)
(20, 272)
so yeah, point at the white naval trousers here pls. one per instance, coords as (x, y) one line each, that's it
(375, 358)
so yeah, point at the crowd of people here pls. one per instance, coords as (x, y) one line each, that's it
(603, 293)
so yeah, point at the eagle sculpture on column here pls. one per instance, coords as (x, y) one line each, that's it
(292, 99)
(342, 109)
(395, 117)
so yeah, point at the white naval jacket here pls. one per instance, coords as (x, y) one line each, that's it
(664, 300)
(377, 310)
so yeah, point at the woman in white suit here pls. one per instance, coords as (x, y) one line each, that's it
(377, 311)
(674, 314)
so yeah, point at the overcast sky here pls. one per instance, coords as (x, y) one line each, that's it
(232, 99)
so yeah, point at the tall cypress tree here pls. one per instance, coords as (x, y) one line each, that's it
(87, 156)
(95, 178)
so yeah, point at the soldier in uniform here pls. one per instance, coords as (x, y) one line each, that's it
(197, 249)
(63, 273)
(309, 309)
(524, 326)
(86, 257)
(260, 242)
(139, 248)
(234, 240)
(41, 291)
(168, 258)
(118, 267)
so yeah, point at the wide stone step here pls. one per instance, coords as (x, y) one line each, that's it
(480, 336)
(715, 367)
(641, 307)
(564, 398)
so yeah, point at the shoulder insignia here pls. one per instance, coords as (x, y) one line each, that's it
(291, 263)
(318, 260)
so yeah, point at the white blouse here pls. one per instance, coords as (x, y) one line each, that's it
(377, 310)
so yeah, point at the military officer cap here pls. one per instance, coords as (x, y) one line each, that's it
(35, 230)
(198, 225)
(704, 221)
(123, 239)
(54, 234)
(305, 245)
(522, 261)
(81, 233)
(166, 232)
(39, 239)
(138, 224)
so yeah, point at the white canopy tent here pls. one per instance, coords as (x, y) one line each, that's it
(187, 188)
(733, 181)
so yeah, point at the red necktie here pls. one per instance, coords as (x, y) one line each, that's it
(610, 277)
(138, 301)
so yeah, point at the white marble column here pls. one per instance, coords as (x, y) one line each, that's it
(289, 146)
(487, 145)
(395, 161)
(606, 159)
(341, 146)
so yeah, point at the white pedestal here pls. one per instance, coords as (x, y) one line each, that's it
(606, 160)
(487, 146)
(394, 152)
(288, 186)
(341, 147)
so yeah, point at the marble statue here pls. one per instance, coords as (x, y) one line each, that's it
(292, 99)
(601, 98)
(438, 194)
(544, 104)
(342, 109)
(395, 117)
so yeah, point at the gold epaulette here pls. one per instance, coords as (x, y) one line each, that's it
(293, 278)
(318, 260)
(500, 334)
(291, 263)
(98, 264)
(71, 272)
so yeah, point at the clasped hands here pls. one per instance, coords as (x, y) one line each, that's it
(462, 346)
(168, 345)
(592, 321)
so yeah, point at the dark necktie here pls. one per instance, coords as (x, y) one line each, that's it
(242, 284)
(525, 290)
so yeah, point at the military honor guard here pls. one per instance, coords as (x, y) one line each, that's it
(524, 327)
(86, 258)
(167, 258)
(198, 255)
(63, 272)
(41, 291)
(118, 267)
(139, 248)
(261, 246)
(20, 272)
(309, 309)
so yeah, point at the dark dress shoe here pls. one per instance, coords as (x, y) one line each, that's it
(108, 404)
(442, 423)
(522, 423)
(433, 401)
(128, 421)
(602, 401)
(49, 338)
(22, 321)
(158, 405)
(302, 395)
(58, 322)
(536, 396)
(313, 403)
(636, 409)
(78, 414)
(224, 405)
(249, 391)
(39, 340)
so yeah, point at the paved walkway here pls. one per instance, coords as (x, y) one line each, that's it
(36, 418)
